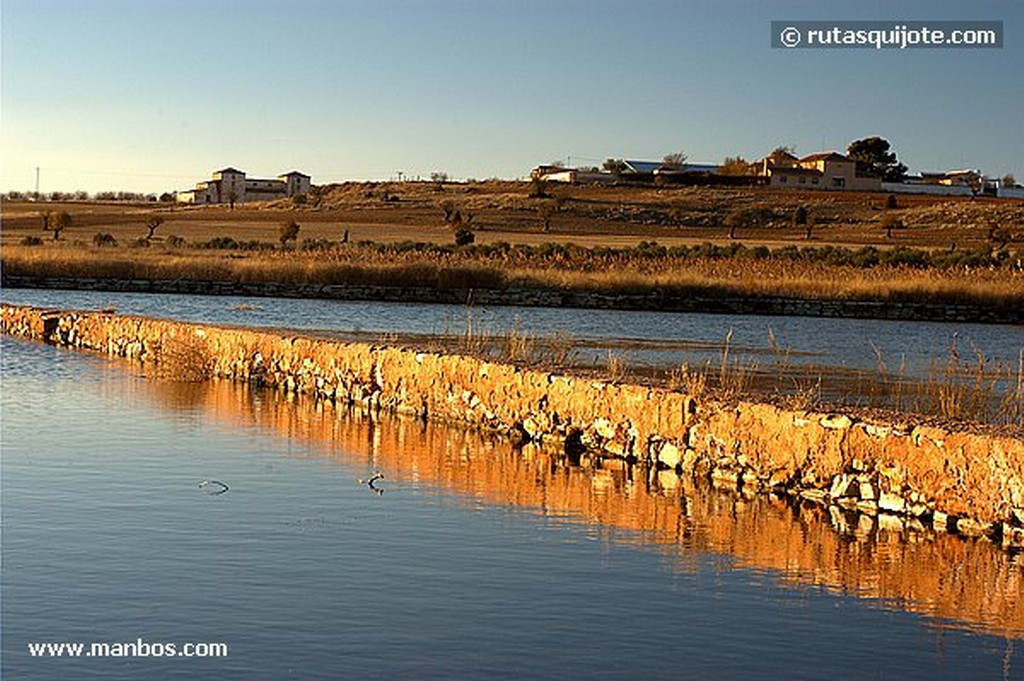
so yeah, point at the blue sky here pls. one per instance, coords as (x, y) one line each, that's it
(151, 95)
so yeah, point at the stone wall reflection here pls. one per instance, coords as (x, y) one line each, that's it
(967, 583)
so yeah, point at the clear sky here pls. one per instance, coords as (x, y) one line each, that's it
(153, 95)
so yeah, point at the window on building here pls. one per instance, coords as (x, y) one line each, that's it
(838, 182)
(803, 180)
(814, 180)
(782, 179)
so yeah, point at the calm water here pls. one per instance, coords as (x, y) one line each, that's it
(650, 339)
(477, 562)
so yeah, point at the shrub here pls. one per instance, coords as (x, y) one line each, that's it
(219, 242)
(865, 257)
(175, 241)
(103, 239)
(907, 256)
(891, 203)
(31, 241)
(464, 237)
(316, 245)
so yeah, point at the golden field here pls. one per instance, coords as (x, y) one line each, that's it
(611, 239)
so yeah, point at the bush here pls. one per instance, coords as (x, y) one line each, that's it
(316, 245)
(219, 242)
(865, 257)
(464, 237)
(31, 241)
(103, 239)
(907, 256)
(175, 241)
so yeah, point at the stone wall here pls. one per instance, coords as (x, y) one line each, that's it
(956, 480)
(529, 297)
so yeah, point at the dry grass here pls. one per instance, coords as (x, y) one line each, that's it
(569, 269)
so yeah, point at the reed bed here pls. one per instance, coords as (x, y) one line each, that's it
(992, 281)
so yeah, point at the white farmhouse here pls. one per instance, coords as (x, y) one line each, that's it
(230, 185)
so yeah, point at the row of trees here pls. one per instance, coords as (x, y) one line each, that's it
(82, 195)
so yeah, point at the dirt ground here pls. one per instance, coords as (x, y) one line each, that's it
(586, 215)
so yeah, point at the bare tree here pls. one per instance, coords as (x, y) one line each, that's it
(152, 225)
(674, 160)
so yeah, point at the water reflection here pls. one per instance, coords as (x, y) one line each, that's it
(964, 584)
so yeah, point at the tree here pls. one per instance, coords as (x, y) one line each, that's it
(781, 152)
(873, 156)
(152, 224)
(613, 165)
(891, 222)
(547, 212)
(232, 197)
(735, 166)
(734, 220)
(1008, 180)
(288, 231)
(438, 178)
(61, 222)
(46, 215)
(674, 160)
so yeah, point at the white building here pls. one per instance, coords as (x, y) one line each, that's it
(230, 185)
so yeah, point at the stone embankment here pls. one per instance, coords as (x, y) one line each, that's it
(923, 476)
(529, 297)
